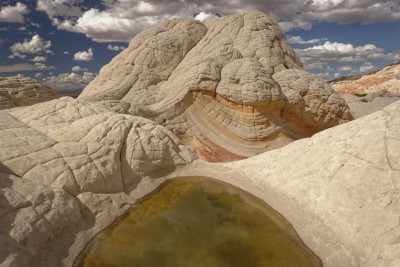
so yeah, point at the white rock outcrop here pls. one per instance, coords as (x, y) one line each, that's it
(231, 88)
(21, 91)
(68, 166)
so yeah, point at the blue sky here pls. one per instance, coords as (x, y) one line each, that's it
(64, 43)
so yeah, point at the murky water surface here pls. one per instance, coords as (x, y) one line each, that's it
(199, 222)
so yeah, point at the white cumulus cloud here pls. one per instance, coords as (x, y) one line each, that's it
(69, 81)
(115, 47)
(59, 7)
(105, 26)
(345, 69)
(13, 13)
(348, 11)
(367, 67)
(296, 23)
(84, 55)
(78, 68)
(39, 59)
(334, 52)
(300, 40)
(343, 58)
(203, 16)
(34, 46)
(120, 20)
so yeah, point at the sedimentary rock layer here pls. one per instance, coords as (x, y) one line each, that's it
(340, 189)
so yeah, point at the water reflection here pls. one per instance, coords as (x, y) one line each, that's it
(196, 222)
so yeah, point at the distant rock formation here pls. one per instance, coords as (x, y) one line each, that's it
(385, 80)
(21, 91)
(371, 92)
(232, 88)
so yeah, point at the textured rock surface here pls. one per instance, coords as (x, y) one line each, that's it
(340, 189)
(67, 167)
(387, 80)
(234, 85)
(17, 91)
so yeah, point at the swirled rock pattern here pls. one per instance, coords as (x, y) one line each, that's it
(68, 165)
(231, 88)
(340, 189)
(21, 91)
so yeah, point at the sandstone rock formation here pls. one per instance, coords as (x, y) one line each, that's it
(340, 189)
(67, 166)
(21, 91)
(231, 88)
(387, 80)
(70, 167)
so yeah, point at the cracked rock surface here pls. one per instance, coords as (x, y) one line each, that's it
(68, 166)
(232, 88)
(17, 91)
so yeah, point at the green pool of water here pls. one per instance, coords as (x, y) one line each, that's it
(198, 222)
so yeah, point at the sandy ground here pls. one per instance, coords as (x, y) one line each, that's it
(361, 106)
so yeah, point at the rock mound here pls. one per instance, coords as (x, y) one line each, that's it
(67, 166)
(231, 88)
(17, 91)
